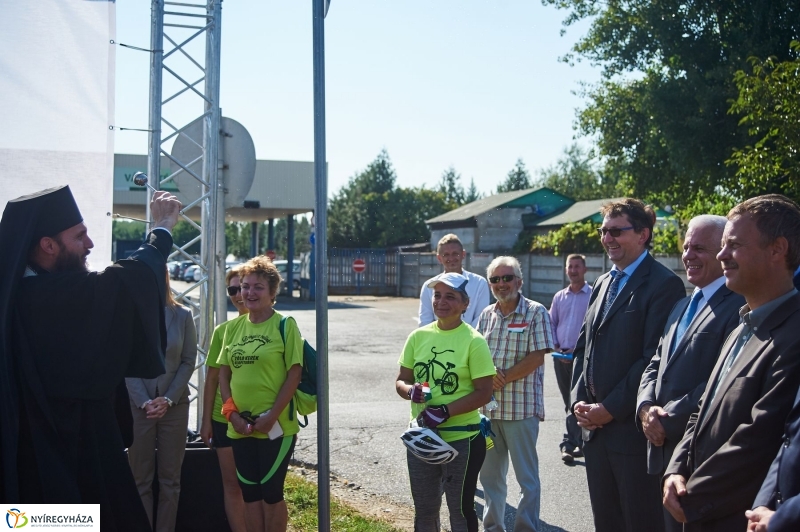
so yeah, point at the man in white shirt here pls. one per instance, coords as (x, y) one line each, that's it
(450, 254)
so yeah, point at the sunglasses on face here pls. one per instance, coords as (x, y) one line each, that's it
(233, 290)
(506, 278)
(615, 231)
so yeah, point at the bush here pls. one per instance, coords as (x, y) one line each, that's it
(579, 237)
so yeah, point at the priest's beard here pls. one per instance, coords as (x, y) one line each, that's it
(70, 262)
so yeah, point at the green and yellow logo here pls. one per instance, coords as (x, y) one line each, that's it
(16, 518)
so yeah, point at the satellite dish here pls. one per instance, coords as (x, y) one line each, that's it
(238, 154)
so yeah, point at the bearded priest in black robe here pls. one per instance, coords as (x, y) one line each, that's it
(68, 338)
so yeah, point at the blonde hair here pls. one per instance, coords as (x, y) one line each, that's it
(263, 267)
(448, 239)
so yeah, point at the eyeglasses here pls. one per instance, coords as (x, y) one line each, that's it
(615, 231)
(233, 290)
(505, 278)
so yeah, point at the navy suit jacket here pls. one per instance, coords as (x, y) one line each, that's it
(677, 382)
(783, 480)
(622, 344)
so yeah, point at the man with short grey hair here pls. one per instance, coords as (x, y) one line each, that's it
(696, 328)
(518, 333)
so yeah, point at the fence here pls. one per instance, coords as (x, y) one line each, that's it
(402, 274)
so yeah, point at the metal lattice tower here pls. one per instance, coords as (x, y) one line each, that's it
(185, 67)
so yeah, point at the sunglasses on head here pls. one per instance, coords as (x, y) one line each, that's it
(615, 231)
(233, 290)
(505, 278)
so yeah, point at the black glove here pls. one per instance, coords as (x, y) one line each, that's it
(433, 416)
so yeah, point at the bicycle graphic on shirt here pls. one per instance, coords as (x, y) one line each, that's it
(426, 372)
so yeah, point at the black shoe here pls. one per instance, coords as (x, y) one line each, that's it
(577, 453)
(567, 457)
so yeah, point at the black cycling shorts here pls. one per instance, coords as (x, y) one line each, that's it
(261, 467)
(219, 433)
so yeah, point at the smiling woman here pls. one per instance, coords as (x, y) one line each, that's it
(259, 373)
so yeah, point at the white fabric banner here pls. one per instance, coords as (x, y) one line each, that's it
(57, 95)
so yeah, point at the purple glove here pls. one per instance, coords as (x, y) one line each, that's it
(416, 394)
(433, 416)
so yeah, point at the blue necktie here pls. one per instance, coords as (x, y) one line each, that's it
(688, 316)
(618, 275)
(613, 289)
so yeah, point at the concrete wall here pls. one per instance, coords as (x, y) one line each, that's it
(499, 229)
(467, 235)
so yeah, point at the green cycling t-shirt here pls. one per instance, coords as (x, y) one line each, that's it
(211, 361)
(448, 361)
(259, 361)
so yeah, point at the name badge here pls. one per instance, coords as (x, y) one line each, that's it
(517, 327)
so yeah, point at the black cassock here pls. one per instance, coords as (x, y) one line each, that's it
(77, 336)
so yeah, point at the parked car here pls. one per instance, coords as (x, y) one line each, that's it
(188, 275)
(281, 265)
(180, 271)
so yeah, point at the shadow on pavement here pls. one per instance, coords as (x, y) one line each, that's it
(511, 515)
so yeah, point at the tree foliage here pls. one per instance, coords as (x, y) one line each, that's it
(769, 103)
(576, 175)
(660, 113)
(450, 186)
(372, 212)
(518, 179)
(472, 193)
(578, 237)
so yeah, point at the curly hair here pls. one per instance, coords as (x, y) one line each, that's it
(639, 215)
(262, 267)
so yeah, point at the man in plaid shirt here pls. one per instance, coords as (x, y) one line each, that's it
(518, 333)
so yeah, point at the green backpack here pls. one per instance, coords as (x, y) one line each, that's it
(305, 397)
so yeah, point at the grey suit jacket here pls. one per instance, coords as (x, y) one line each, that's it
(622, 346)
(181, 355)
(676, 382)
(726, 455)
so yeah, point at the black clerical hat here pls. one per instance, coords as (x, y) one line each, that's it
(56, 210)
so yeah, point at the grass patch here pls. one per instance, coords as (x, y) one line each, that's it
(301, 498)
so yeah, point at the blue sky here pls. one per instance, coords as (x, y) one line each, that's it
(473, 84)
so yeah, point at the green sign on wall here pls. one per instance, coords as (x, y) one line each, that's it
(123, 179)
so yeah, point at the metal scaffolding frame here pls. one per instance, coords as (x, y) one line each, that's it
(177, 29)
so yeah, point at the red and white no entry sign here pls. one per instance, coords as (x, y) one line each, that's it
(359, 265)
(270, 254)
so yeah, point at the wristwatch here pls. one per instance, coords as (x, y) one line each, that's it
(169, 401)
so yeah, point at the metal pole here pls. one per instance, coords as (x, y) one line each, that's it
(154, 119)
(271, 234)
(253, 239)
(290, 255)
(321, 269)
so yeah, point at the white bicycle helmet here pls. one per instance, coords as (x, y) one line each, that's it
(428, 446)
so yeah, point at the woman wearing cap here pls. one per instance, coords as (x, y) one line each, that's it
(215, 426)
(455, 361)
(258, 375)
(160, 409)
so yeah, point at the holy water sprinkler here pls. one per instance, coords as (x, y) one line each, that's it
(140, 180)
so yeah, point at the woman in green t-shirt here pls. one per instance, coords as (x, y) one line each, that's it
(454, 360)
(259, 373)
(214, 427)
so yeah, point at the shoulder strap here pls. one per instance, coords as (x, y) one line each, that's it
(282, 328)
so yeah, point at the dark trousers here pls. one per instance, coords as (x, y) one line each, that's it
(572, 438)
(624, 497)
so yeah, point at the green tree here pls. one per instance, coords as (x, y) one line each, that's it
(302, 233)
(450, 186)
(575, 175)
(769, 103)
(660, 112)
(518, 179)
(372, 212)
(472, 193)
(578, 237)
(127, 230)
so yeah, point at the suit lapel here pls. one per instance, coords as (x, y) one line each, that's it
(638, 277)
(597, 308)
(670, 336)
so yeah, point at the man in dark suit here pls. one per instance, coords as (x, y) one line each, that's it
(676, 377)
(627, 312)
(719, 465)
(777, 506)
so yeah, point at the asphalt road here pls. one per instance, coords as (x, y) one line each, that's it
(365, 337)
